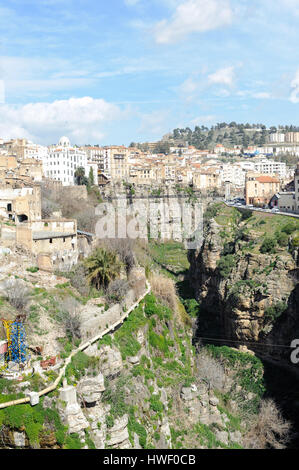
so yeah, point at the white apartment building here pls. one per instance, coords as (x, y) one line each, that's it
(270, 167)
(39, 152)
(292, 137)
(277, 138)
(62, 161)
(233, 173)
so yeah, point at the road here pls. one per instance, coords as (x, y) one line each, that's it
(258, 209)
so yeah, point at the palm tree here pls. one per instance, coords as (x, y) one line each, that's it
(102, 267)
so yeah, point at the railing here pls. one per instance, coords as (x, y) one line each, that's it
(83, 346)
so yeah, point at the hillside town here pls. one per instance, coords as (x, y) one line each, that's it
(257, 171)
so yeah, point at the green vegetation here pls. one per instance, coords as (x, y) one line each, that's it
(273, 312)
(32, 269)
(135, 427)
(115, 397)
(103, 266)
(125, 338)
(171, 256)
(35, 420)
(249, 369)
(225, 265)
(79, 366)
(268, 245)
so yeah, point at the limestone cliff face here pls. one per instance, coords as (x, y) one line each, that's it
(237, 302)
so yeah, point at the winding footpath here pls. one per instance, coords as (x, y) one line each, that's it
(83, 346)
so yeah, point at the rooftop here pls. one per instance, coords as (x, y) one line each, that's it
(45, 235)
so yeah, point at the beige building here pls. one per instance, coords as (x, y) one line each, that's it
(53, 242)
(112, 160)
(260, 188)
(206, 179)
(20, 203)
(141, 173)
(292, 137)
(8, 162)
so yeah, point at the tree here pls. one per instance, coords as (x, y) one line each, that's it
(91, 177)
(80, 177)
(162, 147)
(268, 245)
(102, 266)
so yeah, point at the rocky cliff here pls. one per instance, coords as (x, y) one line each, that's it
(247, 285)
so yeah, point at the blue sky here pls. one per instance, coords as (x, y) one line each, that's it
(112, 72)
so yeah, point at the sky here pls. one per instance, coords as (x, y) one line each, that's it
(112, 72)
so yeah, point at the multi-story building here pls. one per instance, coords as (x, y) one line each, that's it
(277, 137)
(62, 160)
(206, 179)
(233, 173)
(270, 167)
(292, 137)
(111, 160)
(23, 149)
(260, 188)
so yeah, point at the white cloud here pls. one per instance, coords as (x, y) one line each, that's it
(204, 119)
(294, 98)
(155, 122)
(188, 86)
(224, 76)
(82, 119)
(262, 95)
(193, 16)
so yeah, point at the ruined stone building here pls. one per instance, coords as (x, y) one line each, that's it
(20, 203)
(52, 242)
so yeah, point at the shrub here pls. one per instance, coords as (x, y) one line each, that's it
(212, 211)
(79, 365)
(135, 427)
(18, 295)
(117, 290)
(274, 311)
(269, 428)
(114, 395)
(295, 241)
(155, 404)
(124, 247)
(226, 264)
(109, 421)
(164, 289)
(289, 228)
(282, 238)
(211, 370)
(32, 269)
(124, 336)
(245, 213)
(70, 318)
(268, 245)
(78, 279)
(192, 307)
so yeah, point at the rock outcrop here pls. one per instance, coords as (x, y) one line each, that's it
(236, 305)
